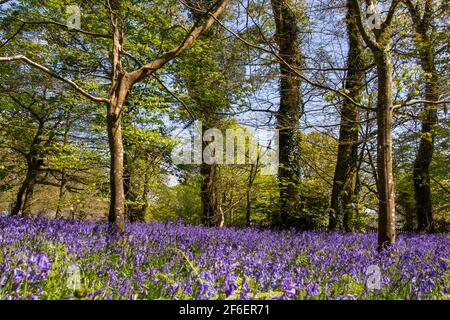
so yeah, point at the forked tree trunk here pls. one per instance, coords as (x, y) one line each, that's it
(120, 85)
(344, 184)
(25, 193)
(26, 206)
(19, 198)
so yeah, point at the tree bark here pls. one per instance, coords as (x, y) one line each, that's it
(120, 85)
(62, 192)
(19, 199)
(62, 186)
(421, 171)
(386, 196)
(117, 201)
(346, 170)
(129, 195)
(209, 194)
(26, 205)
(141, 216)
(248, 209)
(288, 115)
(380, 47)
(25, 193)
(133, 211)
(251, 179)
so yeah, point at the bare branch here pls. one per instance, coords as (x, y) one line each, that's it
(55, 75)
(56, 23)
(413, 102)
(13, 36)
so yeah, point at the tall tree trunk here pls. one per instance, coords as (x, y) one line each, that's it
(421, 172)
(288, 115)
(344, 183)
(120, 85)
(386, 191)
(380, 48)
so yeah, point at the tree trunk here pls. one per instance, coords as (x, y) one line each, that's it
(247, 210)
(62, 186)
(209, 194)
(221, 217)
(129, 196)
(120, 85)
(344, 183)
(26, 205)
(251, 179)
(19, 200)
(210, 181)
(114, 126)
(380, 48)
(145, 192)
(62, 192)
(117, 201)
(421, 171)
(288, 115)
(386, 192)
(25, 193)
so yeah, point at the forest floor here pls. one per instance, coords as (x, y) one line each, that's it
(66, 259)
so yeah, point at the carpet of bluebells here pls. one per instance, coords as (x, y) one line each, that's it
(63, 259)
